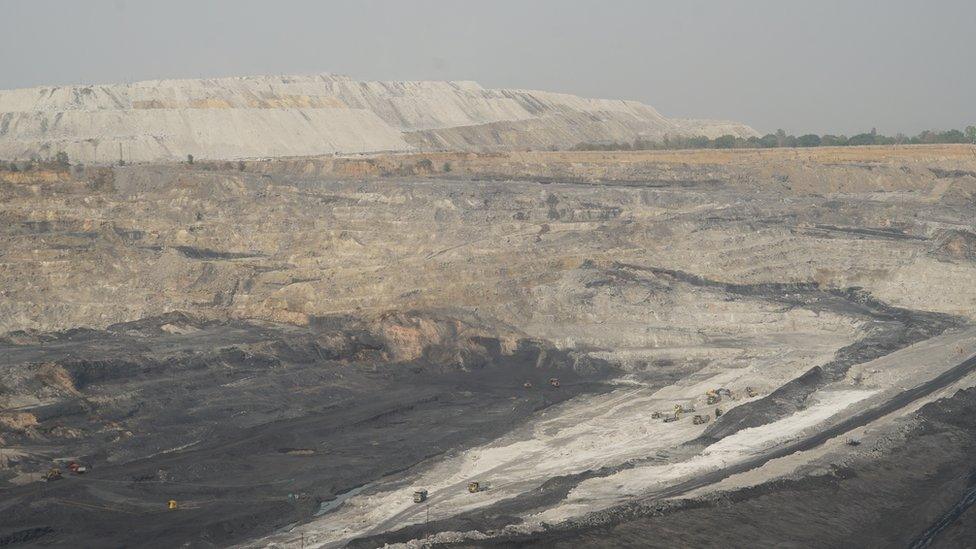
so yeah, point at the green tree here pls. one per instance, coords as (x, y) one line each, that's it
(769, 141)
(971, 134)
(952, 136)
(862, 139)
(189, 159)
(833, 140)
(62, 159)
(725, 142)
(808, 140)
(780, 138)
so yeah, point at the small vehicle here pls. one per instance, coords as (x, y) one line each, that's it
(554, 381)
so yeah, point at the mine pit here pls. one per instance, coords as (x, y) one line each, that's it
(639, 344)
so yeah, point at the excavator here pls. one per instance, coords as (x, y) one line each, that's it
(676, 415)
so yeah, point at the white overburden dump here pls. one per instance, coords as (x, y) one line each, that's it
(278, 116)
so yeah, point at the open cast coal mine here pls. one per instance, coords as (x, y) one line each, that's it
(487, 348)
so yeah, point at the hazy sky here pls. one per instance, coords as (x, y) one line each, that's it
(806, 66)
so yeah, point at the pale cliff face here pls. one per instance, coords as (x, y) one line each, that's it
(281, 116)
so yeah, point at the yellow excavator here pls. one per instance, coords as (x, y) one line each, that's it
(674, 416)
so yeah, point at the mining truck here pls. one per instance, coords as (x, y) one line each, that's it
(420, 496)
(76, 468)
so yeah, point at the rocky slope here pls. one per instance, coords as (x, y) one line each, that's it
(251, 117)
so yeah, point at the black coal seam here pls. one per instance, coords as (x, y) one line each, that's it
(552, 534)
(25, 536)
(882, 233)
(930, 534)
(204, 253)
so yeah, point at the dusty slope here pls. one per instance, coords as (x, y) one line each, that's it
(306, 115)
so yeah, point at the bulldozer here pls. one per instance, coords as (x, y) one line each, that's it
(54, 473)
(475, 487)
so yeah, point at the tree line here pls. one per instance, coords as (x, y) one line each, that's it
(782, 139)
